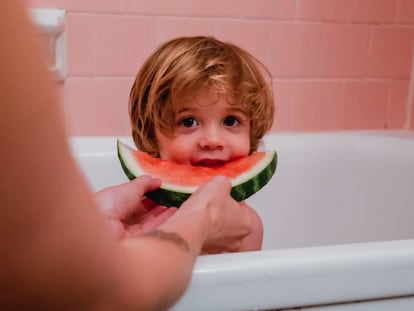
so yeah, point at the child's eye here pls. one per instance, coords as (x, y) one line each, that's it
(231, 121)
(188, 122)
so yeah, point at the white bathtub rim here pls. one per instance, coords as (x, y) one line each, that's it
(107, 142)
(302, 277)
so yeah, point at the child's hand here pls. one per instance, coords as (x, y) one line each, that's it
(127, 209)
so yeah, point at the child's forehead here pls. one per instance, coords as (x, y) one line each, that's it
(205, 97)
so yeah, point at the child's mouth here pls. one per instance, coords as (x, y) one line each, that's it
(209, 163)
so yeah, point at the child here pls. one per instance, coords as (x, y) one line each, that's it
(200, 101)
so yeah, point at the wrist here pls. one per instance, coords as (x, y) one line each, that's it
(191, 223)
(171, 237)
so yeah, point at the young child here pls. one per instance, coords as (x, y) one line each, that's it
(200, 101)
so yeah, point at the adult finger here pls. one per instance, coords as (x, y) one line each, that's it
(122, 200)
(151, 221)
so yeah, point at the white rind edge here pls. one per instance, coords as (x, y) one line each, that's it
(257, 168)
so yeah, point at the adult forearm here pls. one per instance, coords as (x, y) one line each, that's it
(156, 270)
(170, 253)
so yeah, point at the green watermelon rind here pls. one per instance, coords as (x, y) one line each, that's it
(167, 197)
(246, 189)
(243, 188)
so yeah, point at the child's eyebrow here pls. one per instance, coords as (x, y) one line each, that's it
(236, 110)
(184, 110)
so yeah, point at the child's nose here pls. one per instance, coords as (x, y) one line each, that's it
(211, 139)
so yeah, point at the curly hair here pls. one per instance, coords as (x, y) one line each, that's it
(185, 65)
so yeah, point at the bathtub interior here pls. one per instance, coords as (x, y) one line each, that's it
(329, 188)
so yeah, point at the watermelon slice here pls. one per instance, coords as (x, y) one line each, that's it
(248, 175)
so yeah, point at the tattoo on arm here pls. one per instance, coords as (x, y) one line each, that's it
(171, 237)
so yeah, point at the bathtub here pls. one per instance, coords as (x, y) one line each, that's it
(338, 219)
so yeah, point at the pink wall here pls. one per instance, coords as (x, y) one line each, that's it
(337, 64)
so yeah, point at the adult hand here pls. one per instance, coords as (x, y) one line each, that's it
(228, 221)
(127, 209)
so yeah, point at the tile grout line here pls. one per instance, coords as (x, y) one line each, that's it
(410, 98)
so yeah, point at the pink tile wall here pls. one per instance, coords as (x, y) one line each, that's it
(337, 64)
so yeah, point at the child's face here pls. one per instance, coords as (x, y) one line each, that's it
(208, 131)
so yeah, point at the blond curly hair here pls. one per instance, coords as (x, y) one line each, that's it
(185, 65)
